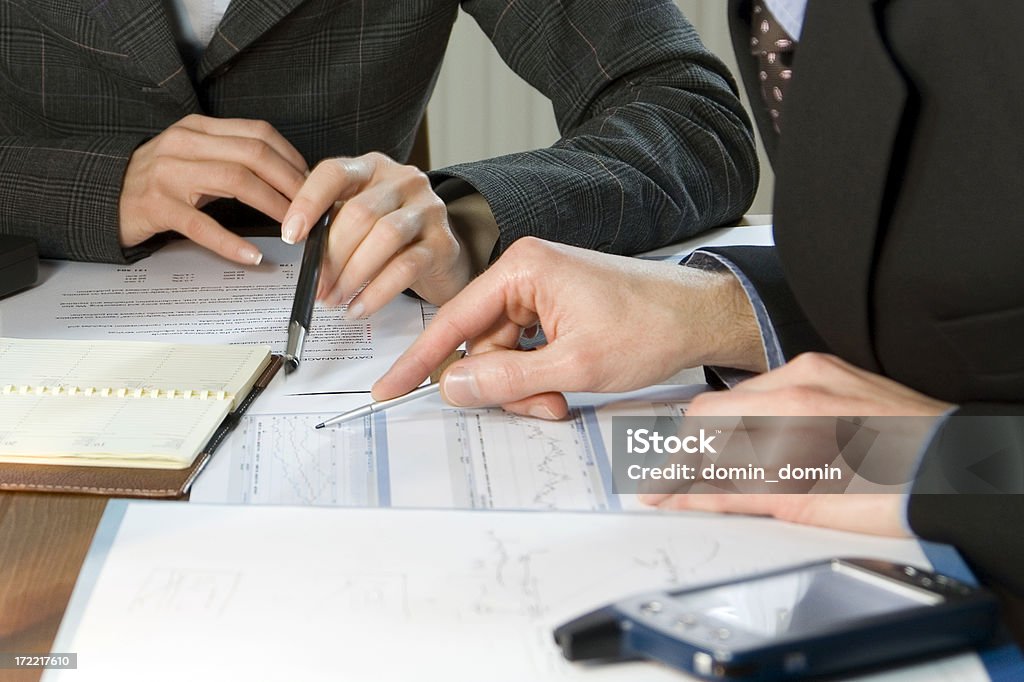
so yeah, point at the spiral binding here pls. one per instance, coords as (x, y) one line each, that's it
(108, 392)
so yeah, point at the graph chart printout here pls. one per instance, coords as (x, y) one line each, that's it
(432, 456)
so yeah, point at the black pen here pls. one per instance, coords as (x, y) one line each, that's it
(305, 292)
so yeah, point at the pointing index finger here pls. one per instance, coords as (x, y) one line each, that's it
(471, 313)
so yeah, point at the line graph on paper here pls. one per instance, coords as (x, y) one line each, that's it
(508, 575)
(282, 459)
(499, 460)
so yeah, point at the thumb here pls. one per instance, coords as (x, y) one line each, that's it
(501, 377)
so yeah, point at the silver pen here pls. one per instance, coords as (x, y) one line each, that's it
(367, 410)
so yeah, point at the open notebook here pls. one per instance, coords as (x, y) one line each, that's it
(117, 405)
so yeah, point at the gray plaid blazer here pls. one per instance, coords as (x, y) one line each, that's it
(654, 147)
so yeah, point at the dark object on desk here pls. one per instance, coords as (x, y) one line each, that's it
(305, 292)
(19, 264)
(821, 618)
(129, 482)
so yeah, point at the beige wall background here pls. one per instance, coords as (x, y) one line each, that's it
(481, 109)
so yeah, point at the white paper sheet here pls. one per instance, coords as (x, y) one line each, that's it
(281, 593)
(185, 294)
(746, 235)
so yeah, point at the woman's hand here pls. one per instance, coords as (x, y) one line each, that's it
(197, 160)
(390, 234)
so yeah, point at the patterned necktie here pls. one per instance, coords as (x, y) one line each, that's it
(773, 47)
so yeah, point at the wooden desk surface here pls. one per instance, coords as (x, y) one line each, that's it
(43, 542)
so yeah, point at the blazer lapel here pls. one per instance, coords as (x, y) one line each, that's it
(143, 29)
(842, 116)
(243, 22)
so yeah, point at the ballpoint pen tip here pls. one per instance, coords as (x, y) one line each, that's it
(319, 426)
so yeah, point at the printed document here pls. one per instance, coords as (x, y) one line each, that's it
(185, 294)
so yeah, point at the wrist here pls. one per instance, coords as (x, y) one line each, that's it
(722, 325)
(475, 228)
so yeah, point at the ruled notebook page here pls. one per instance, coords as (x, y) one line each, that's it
(157, 433)
(127, 404)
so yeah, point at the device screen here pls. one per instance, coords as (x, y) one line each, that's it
(806, 601)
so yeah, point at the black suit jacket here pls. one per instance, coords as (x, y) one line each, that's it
(899, 226)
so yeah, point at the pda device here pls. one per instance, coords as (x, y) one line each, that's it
(820, 618)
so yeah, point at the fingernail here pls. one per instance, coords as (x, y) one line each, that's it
(541, 412)
(251, 255)
(355, 311)
(291, 228)
(460, 387)
(648, 499)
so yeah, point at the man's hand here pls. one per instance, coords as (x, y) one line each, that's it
(612, 324)
(199, 159)
(874, 514)
(817, 385)
(392, 233)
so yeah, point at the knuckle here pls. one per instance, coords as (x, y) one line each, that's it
(195, 228)
(527, 255)
(508, 378)
(357, 211)
(432, 212)
(162, 166)
(408, 267)
(393, 229)
(799, 397)
(813, 363)
(256, 150)
(232, 174)
(261, 128)
(527, 247)
(173, 139)
(412, 178)
(335, 170)
(435, 208)
(376, 158)
(428, 215)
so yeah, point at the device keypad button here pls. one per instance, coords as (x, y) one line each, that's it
(685, 622)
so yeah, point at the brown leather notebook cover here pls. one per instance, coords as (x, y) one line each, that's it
(125, 482)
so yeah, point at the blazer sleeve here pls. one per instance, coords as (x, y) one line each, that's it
(655, 145)
(65, 192)
(969, 491)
